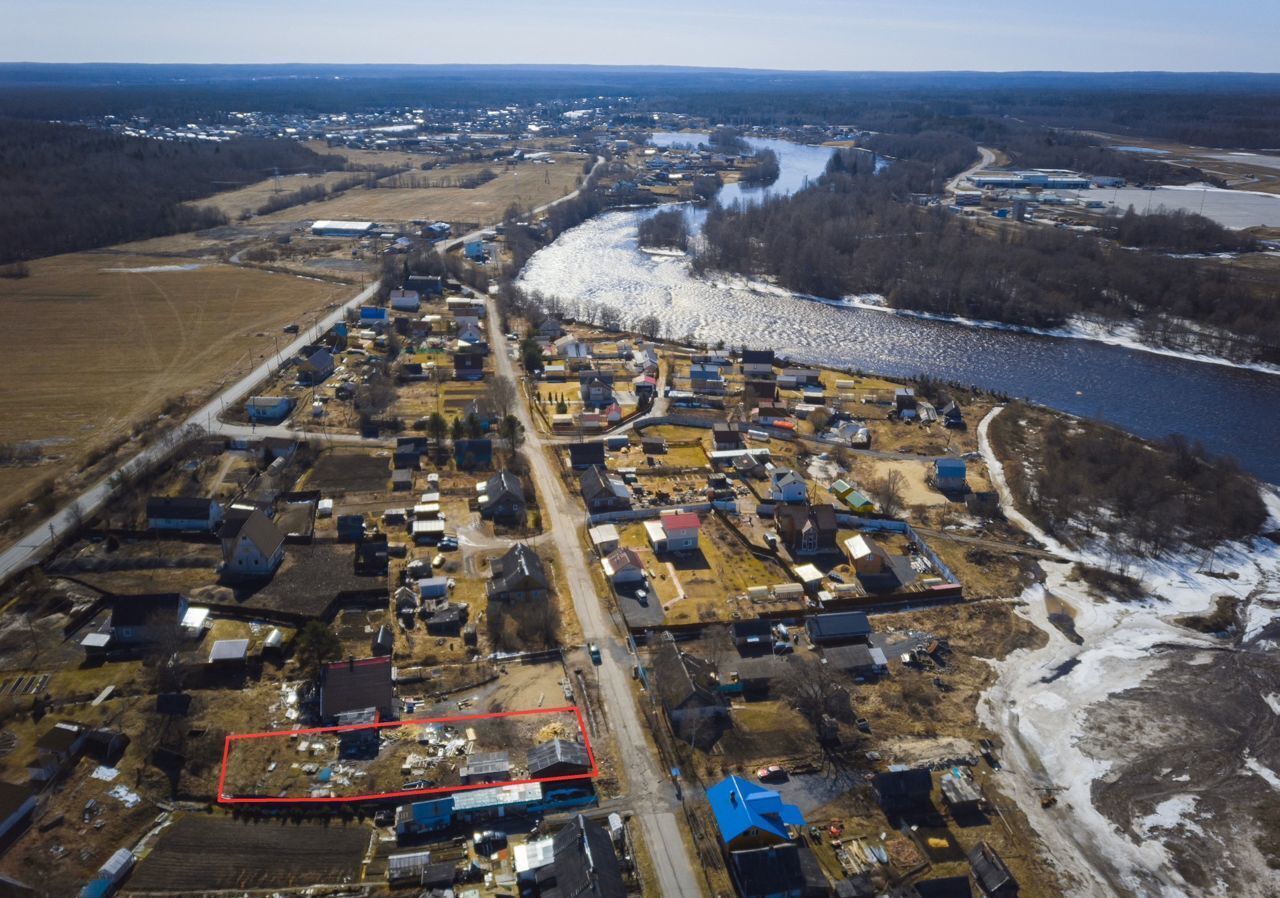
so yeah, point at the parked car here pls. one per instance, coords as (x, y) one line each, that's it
(771, 773)
(594, 651)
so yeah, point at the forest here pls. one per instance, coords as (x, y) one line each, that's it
(853, 233)
(1090, 480)
(68, 188)
(666, 229)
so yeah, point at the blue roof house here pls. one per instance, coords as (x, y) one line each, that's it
(948, 475)
(751, 816)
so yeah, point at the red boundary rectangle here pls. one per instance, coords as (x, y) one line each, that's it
(593, 773)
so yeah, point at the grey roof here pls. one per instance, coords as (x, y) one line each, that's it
(179, 507)
(682, 679)
(990, 870)
(258, 529)
(229, 650)
(515, 570)
(584, 864)
(504, 483)
(838, 625)
(485, 763)
(558, 751)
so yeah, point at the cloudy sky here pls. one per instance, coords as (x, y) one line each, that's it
(1091, 35)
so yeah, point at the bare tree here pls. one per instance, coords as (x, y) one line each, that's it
(887, 491)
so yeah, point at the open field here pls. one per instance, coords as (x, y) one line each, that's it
(252, 196)
(526, 185)
(102, 350)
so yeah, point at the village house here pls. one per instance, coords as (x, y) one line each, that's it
(785, 485)
(949, 475)
(550, 328)
(138, 620)
(503, 499)
(596, 388)
(468, 365)
(838, 628)
(188, 513)
(603, 492)
(750, 816)
(674, 532)
(252, 546)
(865, 556)
(268, 409)
(623, 566)
(757, 364)
(519, 575)
(584, 455)
(807, 529)
(315, 365)
(357, 689)
(687, 688)
(583, 864)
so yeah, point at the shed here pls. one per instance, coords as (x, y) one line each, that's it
(229, 651)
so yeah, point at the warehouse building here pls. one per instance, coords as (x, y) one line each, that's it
(327, 228)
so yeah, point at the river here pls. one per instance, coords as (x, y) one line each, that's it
(1231, 410)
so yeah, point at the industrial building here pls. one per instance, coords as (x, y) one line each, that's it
(327, 228)
(1054, 178)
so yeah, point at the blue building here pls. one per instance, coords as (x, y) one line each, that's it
(268, 409)
(751, 816)
(424, 816)
(949, 475)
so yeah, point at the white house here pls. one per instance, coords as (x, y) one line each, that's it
(623, 566)
(676, 532)
(252, 545)
(268, 408)
(787, 486)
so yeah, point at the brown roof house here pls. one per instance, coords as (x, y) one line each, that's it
(807, 529)
(251, 546)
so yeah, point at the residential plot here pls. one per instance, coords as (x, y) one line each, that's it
(430, 755)
(202, 852)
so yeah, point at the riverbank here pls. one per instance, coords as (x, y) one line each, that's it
(1154, 739)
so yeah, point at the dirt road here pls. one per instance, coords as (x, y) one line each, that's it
(652, 796)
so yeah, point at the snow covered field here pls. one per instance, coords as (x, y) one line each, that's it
(1152, 736)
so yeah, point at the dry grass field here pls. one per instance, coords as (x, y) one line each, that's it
(233, 202)
(96, 350)
(527, 185)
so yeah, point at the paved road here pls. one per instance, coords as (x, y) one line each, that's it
(32, 546)
(986, 158)
(652, 795)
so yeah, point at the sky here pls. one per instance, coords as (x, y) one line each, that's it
(847, 35)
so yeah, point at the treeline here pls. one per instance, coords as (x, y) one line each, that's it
(853, 233)
(67, 188)
(312, 193)
(1178, 231)
(1084, 480)
(763, 170)
(665, 229)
